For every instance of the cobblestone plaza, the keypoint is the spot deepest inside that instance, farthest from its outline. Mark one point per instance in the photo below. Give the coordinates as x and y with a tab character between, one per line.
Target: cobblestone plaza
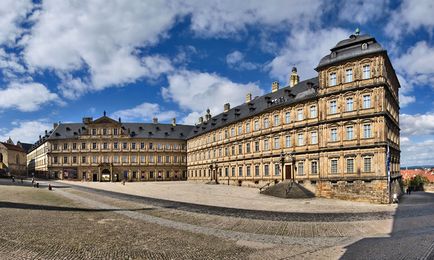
137	221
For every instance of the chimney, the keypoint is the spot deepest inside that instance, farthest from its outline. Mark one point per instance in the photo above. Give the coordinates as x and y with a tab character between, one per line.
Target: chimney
208	115
294	78
46	132
87	120
119	119
248	97
174	121
226	107
200	120
55	125
155	120
275	86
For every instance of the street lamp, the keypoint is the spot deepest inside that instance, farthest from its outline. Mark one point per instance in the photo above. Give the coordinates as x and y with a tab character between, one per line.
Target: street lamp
282	162
216	172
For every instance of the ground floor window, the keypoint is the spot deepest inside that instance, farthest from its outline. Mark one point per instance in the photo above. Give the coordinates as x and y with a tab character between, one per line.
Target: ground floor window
151	175
367	164
334	166
350	165
276	169
257	170
300	168
314	167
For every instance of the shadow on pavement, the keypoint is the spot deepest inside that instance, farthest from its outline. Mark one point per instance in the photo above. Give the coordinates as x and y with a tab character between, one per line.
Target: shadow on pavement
14	205
410	238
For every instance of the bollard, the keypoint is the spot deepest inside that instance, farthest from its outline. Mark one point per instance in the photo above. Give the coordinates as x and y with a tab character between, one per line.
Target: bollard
37	185
49	187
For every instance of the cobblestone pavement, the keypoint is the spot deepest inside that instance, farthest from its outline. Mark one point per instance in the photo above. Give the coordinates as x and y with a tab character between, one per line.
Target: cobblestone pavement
80	223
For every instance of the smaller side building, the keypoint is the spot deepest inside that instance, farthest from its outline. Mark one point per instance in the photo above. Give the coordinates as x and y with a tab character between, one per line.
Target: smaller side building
12	159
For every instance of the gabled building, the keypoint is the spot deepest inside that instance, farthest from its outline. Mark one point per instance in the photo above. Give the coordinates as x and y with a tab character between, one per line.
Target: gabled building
12	159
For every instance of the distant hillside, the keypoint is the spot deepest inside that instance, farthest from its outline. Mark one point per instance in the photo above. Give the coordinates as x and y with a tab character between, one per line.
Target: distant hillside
417	167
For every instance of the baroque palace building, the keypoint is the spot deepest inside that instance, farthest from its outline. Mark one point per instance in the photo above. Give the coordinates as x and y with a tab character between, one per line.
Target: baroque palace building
336	134
108	150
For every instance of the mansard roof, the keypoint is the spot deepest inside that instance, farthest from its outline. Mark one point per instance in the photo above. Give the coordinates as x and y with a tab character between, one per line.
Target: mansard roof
283	97
351	48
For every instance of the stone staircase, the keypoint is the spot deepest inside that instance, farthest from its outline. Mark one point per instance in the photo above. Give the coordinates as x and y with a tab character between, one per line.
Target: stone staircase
288	190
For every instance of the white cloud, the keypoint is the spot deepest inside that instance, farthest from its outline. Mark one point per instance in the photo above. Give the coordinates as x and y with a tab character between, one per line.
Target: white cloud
418	124
196	91
25	131
404	93
100	37
362	11
236	61
416	153
26	97
145	111
304	50
12	13
411	16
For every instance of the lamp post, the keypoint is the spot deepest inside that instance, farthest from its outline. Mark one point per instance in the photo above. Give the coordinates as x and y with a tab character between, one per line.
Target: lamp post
282	162
216	172
210	171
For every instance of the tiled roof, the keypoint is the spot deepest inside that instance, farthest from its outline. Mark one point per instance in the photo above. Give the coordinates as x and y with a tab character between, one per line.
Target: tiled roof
13	147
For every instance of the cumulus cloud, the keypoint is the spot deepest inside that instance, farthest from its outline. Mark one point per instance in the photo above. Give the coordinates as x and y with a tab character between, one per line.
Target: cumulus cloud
12	14
416	153
195	92
411	16
145	111
304	50
418	124
236	60
26	97
362	11
25	131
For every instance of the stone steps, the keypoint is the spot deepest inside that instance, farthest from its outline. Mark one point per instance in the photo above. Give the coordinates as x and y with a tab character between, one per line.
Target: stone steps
288	190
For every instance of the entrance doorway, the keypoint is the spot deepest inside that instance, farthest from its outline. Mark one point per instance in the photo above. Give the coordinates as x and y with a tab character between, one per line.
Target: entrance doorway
95	177
105	175
287	172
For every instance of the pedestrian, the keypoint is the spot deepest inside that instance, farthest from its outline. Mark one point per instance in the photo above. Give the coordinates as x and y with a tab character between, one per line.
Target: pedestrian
22	180
123	182
33	180
13	179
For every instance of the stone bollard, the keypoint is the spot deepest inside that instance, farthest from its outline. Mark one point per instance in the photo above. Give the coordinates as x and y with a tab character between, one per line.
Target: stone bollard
49	187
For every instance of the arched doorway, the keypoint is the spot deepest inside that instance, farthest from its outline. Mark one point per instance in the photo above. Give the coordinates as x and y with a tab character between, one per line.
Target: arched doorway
105	175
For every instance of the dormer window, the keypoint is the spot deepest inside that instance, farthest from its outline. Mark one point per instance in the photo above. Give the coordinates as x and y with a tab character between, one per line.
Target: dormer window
332	80
364	46
333	55
349	75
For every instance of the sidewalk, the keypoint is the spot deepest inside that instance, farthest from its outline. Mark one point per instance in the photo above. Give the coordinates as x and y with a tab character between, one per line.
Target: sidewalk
232	197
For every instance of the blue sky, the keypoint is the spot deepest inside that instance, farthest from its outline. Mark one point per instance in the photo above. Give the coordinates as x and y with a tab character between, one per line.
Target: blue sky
63	60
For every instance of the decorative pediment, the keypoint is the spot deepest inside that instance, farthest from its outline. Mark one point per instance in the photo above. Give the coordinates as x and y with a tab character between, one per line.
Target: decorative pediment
105	120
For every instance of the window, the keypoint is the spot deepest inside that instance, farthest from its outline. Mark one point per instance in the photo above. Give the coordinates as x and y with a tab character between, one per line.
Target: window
276	143
233	172
276	120
74	146
247	147
256	170
350	165
124	145
367	131
104	131
240	171
313	112
115	145
124	159
300	168
226	172
266	145
240	149
94	159
288	141
159	159
142	145
233	150
151	146
314	167
159	146
55	147
106	159
240	129
334	166
83	146
93	131
133	146
266	170
256	125
288	117
94	146
226	151
300	114
350	104
333	107
348	75
266	123
151	158
313	138
366	72
350	133
332	79
232	131
55	159
257	146
333	134
105	146
226	134
248	171
300	140
366	101
367	164
248	127
115	131
116	159
65	159
65	146
276	169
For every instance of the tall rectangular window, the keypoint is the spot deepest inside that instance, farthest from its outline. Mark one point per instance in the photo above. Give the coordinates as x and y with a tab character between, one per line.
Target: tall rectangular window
248	127
276	143
83	146
300	140
332	79
233	172
299	114
313	138
266	170
288	141
333	134
115	145
287	117
232	131
367	164
348	75
115	131
240	171
313	111
240	149
240	130
350	104
266	123
300	168
350	165
248	171
333	107
276	169
256	170
65	159
257	146
276	120
133	146
314	167
256	125
266	145
366	101
350	133
366	72
74	146
367	131
83	159
334	166
247	147
226	172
